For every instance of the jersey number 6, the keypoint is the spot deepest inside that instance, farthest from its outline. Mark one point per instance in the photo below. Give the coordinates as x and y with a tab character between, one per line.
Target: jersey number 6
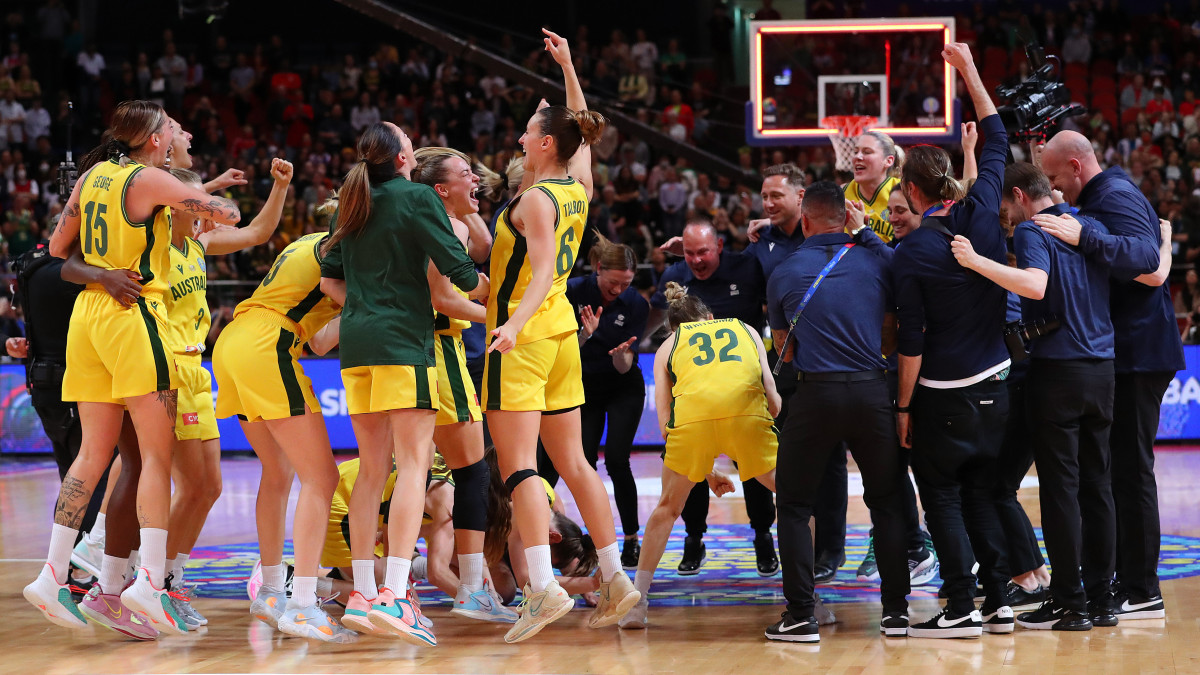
702	342
566	254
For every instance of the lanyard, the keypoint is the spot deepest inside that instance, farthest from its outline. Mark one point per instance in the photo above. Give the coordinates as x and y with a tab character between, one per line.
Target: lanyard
804	302
937	207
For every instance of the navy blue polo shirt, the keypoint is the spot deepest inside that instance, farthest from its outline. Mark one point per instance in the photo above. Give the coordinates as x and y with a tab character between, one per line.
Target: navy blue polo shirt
734	291
841	328
774	246
949	315
1143	317
1076	293
623	318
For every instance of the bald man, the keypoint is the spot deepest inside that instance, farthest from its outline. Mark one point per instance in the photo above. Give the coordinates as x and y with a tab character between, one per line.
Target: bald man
1148	348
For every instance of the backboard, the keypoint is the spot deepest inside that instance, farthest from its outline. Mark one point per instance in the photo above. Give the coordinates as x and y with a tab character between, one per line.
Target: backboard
804	71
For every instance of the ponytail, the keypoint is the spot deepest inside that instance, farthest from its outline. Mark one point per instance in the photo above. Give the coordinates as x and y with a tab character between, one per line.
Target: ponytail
377	151
495	186
928	168
591	125
683	308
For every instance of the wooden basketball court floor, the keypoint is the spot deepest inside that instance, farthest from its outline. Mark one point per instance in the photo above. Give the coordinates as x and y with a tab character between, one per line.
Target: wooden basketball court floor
692	639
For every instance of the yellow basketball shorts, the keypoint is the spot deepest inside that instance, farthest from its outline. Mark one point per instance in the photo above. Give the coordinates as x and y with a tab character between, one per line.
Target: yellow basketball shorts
196	419
372	389
457	400
115	353
752	442
543	375
259	376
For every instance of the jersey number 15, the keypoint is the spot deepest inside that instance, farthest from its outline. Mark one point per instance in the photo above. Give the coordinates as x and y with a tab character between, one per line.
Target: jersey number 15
95	228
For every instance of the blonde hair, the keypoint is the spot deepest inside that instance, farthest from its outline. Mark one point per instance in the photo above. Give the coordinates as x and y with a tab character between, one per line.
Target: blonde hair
187	176
683	308
496	185
607	255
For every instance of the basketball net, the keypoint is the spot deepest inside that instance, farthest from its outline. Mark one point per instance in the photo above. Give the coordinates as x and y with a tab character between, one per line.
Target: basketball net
849	128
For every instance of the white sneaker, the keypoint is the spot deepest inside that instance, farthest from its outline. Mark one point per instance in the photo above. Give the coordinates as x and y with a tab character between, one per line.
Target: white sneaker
483	605
154	603
54	600
89	554
637	617
268	606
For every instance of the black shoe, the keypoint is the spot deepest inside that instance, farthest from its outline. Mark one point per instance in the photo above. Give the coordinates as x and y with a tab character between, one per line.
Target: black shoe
949	625
997	616
894	625
1130	608
1052	615
1022	600
826	567
1102	611
764	553
630	552
791	630
694	554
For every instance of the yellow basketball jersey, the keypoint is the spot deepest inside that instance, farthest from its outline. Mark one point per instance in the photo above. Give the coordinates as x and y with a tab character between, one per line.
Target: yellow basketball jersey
293	287
715	373
511	273
187	302
110	240
876	205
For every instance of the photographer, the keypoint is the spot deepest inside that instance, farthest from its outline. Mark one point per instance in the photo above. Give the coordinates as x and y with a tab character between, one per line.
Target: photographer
1070	400
950	338
1148	348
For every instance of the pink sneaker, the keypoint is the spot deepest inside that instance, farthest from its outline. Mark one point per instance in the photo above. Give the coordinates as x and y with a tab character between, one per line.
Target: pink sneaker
107	610
255	581
400	618
355	618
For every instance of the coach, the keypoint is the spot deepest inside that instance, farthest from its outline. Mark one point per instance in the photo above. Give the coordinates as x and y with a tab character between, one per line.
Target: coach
836	292
1148	348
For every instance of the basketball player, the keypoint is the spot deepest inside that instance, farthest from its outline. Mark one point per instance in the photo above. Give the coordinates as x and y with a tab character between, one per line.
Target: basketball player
533	372
387	230
877	161
458	430
713	397
256	362
116	357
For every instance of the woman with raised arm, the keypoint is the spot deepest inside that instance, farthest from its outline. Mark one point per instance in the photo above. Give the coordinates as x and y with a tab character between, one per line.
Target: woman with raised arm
533	381
116	356
388	229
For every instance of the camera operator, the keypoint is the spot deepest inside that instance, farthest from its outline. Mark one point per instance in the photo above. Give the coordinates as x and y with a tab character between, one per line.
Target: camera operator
1148	347
950	337
1070	400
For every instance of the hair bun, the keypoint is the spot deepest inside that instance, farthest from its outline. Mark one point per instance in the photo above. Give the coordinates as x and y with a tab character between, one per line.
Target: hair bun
674	292
591	125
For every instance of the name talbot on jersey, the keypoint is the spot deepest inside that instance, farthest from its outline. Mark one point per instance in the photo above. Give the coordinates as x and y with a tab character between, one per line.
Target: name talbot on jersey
572	208
188	285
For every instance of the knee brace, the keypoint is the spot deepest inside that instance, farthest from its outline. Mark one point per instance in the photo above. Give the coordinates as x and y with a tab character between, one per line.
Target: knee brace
470	496
517	476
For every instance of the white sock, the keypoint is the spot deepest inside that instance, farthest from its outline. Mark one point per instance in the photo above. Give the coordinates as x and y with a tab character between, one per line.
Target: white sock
396	578
324	587
420	568
304	592
642	582
154	554
541	572
97	533
275	576
62	542
112	574
470	571
178	568
610	561
364	578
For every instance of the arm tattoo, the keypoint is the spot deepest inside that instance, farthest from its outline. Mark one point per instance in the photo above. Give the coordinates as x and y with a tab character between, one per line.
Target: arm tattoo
217	206
170	401
72	501
72	210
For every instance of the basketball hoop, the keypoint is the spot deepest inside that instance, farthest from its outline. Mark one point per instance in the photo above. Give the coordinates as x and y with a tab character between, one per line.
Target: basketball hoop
849	128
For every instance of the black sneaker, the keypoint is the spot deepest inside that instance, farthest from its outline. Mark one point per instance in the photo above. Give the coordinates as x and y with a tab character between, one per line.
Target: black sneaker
694	554
1052	615
1022	600
868	571
894	625
1129	608
949	625
826	567
790	630
997	617
922	566
630	552
764	554
1102	611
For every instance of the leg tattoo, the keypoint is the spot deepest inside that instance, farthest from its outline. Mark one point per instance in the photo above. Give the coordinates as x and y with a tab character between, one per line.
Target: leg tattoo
170	401
72	502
